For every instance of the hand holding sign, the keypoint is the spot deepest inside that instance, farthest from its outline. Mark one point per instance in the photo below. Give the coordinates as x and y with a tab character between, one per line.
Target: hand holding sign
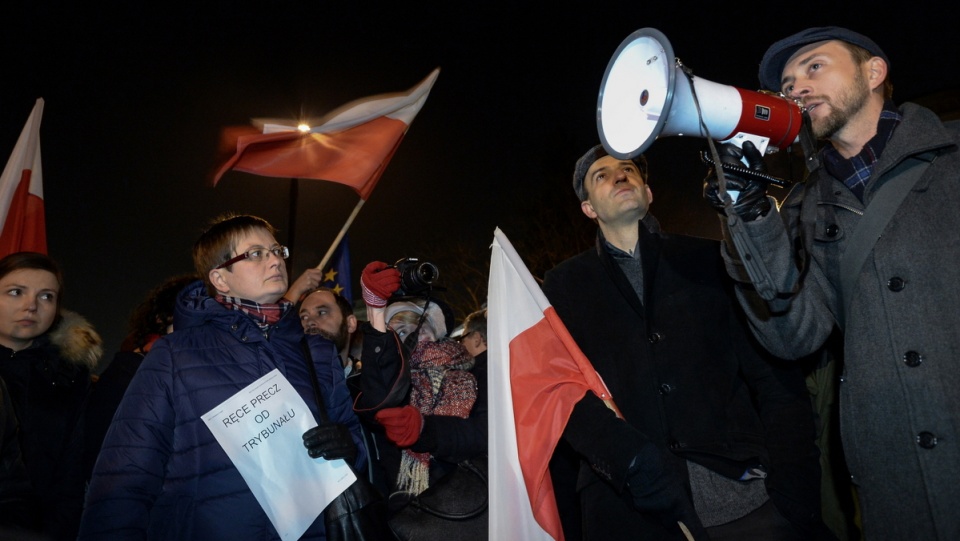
260	429
330	441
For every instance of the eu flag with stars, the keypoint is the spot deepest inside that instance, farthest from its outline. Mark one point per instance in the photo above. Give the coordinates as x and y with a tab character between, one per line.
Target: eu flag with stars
336	275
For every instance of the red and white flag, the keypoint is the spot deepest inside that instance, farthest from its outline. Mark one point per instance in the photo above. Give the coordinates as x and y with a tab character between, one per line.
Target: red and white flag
21	193
351	145
537	374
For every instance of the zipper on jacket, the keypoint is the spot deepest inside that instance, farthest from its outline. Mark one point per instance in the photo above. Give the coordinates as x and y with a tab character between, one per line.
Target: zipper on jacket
858	212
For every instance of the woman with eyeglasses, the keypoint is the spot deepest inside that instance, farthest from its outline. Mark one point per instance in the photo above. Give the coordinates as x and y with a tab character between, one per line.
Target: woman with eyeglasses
162	473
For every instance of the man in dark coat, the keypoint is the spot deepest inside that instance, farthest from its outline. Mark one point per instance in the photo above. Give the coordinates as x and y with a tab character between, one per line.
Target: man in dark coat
715	434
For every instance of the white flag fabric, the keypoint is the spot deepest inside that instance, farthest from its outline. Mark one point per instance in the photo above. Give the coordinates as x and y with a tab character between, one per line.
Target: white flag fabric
351	145
21	193
536	375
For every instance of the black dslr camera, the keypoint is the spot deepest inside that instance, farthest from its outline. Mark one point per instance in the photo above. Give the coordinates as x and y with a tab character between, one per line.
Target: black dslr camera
416	277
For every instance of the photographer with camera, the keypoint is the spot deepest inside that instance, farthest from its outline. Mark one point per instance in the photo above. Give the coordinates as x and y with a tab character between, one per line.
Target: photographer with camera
419	391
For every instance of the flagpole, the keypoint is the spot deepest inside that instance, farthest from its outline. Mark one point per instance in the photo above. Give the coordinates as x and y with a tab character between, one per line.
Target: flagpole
343	231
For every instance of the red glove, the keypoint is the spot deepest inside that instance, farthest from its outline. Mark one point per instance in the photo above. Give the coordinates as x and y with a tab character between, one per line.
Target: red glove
402	424
378	282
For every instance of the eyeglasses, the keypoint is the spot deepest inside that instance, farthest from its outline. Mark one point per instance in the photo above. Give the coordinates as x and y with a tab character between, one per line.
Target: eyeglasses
257	254
464	336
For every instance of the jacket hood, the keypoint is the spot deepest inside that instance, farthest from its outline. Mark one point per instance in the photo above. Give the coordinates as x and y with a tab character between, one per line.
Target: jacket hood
189	310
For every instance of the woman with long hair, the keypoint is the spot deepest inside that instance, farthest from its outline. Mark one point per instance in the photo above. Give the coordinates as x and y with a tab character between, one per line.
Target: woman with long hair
46	357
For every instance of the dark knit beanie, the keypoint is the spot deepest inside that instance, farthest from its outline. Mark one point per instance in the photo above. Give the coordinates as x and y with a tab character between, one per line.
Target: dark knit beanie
592	155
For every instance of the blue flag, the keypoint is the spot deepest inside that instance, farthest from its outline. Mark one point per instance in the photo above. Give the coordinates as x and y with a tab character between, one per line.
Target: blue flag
336	275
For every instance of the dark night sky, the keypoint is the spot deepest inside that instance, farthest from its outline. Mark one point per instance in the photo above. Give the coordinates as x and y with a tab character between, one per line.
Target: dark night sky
136	96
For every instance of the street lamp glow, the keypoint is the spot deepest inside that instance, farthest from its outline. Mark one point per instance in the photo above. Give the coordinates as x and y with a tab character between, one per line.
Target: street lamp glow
303	128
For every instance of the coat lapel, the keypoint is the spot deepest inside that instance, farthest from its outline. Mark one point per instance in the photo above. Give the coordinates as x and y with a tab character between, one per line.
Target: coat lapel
649	257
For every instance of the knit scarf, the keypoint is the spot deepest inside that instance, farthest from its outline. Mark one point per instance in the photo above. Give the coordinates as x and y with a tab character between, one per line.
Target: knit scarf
856	171
264	315
440	384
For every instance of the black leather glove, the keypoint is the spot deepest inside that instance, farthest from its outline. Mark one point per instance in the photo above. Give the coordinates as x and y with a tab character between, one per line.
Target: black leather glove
752	201
658	488
330	441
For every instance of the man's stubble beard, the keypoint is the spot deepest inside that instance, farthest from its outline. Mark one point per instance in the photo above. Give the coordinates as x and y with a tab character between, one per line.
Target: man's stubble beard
847	105
339	338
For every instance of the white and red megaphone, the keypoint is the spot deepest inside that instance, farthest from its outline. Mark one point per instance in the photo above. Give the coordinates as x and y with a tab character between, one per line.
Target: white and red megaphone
646	94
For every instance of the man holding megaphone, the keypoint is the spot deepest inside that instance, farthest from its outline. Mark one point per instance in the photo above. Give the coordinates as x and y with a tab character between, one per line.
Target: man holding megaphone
867	245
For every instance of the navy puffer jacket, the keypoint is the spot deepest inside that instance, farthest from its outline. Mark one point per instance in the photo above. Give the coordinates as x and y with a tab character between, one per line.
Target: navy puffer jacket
161	474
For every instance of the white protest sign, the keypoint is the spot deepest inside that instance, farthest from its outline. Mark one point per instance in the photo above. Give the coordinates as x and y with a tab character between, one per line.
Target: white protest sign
261	429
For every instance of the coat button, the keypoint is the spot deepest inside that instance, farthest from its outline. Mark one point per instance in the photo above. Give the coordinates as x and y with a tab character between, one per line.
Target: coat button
832	230
656	337
912	359
896	284
234	327
926	440
665	388
674	444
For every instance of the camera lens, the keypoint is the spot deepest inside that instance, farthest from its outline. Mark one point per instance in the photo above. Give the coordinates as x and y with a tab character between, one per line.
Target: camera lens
427	272
415	276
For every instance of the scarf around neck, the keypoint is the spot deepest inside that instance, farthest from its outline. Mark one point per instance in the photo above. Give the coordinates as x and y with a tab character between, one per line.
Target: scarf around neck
264	315
440	384
856	171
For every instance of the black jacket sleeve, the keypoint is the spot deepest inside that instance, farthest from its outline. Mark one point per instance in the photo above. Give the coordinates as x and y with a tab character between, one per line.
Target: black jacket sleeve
385	377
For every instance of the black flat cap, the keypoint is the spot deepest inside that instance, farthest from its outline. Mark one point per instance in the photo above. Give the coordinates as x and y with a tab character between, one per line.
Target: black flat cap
771	67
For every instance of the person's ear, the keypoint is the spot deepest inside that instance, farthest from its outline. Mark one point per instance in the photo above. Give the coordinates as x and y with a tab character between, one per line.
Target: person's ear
587	209
876	72
219	282
351	323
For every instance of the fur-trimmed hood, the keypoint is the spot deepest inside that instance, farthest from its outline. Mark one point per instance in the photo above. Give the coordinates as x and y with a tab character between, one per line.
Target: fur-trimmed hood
77	340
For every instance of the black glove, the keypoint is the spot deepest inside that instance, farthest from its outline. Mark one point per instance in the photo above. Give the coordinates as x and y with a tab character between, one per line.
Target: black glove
330	441
660	489
752	201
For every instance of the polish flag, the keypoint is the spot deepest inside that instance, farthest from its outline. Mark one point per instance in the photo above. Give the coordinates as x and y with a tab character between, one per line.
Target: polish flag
21	193
351	145
536	375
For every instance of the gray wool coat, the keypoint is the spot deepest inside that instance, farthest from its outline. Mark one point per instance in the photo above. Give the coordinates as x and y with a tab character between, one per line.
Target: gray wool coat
900	389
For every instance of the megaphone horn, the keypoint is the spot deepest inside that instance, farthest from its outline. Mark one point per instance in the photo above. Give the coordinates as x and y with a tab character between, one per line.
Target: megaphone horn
646	93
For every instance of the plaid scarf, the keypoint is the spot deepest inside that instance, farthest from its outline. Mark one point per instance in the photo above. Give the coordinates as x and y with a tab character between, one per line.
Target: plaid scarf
440	384
264	315
856	171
